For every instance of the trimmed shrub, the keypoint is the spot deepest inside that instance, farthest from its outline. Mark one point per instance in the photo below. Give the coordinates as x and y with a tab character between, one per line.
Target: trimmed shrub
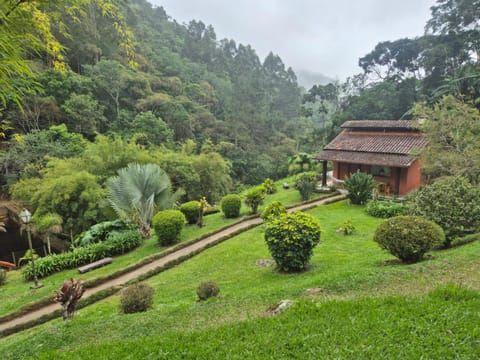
117	243
254	198
305	183
269	186
3	277
409	237
291	238
136	298
168	225
451	202
360	187
207	289
385	209
191	211
273	210
231	205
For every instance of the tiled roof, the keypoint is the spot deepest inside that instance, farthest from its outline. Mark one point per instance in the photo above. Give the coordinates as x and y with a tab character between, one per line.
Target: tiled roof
377	143
366	158
382	124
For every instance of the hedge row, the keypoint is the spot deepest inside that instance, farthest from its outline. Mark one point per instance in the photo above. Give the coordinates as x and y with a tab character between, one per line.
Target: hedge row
116	244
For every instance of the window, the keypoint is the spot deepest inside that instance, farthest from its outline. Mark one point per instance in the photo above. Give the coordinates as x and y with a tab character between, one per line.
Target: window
382	171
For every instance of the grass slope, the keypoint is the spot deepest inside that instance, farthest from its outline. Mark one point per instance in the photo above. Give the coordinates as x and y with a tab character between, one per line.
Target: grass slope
16	294
343	321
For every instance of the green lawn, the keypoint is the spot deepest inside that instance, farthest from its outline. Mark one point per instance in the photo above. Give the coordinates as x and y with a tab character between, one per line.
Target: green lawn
366	306
17	294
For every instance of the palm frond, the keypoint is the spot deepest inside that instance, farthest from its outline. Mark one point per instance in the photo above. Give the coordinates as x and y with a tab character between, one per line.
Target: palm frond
138	191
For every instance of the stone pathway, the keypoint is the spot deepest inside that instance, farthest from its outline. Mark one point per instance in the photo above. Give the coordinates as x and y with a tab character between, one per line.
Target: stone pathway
198	246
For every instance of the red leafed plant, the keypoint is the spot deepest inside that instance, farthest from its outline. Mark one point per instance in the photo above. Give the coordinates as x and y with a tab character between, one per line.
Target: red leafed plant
69	294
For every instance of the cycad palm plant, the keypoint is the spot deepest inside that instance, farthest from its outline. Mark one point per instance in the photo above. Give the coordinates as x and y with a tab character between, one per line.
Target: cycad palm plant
138	191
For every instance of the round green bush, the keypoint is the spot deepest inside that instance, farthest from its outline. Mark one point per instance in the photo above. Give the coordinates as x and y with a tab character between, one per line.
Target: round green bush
168	225
409	237
231	205
207	289
273	210
451	202
291	238
136	298
191	211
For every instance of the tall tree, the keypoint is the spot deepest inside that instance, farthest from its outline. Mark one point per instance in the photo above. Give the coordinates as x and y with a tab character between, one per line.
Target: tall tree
453	131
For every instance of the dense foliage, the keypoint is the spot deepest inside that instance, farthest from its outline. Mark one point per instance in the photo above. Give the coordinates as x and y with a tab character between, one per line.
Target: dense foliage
168	225
409	237
178	83
115	244
231	205
360	186
191	211
385	209
100	232
291	238
136	298
452	128
451	202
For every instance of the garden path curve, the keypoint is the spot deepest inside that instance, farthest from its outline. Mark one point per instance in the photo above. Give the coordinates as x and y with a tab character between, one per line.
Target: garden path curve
174	256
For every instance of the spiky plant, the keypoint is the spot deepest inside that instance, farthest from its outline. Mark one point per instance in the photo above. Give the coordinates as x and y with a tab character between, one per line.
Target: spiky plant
138	192
360	187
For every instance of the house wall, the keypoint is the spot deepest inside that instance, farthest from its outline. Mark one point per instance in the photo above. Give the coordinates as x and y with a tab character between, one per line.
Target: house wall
410	178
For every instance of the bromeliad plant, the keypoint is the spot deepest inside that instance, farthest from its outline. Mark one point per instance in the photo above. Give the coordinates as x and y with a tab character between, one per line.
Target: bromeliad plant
360	187
68	296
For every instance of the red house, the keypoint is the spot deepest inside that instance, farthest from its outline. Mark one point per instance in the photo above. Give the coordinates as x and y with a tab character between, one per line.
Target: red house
382	148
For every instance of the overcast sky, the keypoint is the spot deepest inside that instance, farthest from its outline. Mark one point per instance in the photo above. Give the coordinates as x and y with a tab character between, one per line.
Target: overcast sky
321	36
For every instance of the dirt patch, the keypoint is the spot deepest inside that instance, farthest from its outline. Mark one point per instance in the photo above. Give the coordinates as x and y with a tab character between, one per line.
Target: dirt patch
265	263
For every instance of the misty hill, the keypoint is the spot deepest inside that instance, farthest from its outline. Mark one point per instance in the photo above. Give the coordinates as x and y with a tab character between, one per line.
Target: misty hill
308	78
